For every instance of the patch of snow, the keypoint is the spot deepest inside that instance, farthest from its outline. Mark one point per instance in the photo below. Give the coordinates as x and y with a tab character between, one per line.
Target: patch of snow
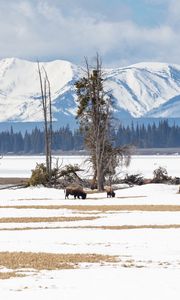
149	259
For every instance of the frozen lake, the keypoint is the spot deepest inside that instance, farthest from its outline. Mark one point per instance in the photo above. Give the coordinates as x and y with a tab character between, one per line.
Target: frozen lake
21	166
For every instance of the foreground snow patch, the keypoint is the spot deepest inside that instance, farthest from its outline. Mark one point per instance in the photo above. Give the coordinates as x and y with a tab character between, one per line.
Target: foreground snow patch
149	259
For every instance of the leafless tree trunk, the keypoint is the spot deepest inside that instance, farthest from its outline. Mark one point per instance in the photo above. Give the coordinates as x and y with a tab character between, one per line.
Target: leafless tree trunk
47	114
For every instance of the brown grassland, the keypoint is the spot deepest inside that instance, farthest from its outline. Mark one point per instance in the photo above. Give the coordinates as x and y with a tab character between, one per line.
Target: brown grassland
44	219
7	275
48	261
101	208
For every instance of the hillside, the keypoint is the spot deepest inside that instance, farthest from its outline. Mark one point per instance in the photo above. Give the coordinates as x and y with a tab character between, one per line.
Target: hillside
140	91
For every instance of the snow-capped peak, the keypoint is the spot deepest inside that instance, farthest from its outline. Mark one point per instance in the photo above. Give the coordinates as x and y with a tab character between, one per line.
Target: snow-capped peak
142	89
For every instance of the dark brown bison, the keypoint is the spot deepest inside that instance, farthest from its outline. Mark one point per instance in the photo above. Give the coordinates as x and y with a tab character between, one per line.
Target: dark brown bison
110	192
75	191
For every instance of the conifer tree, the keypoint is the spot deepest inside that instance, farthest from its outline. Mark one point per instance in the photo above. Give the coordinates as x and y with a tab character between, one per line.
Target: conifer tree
95	117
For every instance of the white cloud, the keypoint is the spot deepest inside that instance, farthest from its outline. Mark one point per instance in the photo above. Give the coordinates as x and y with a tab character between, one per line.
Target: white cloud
173	12
44	29
25	9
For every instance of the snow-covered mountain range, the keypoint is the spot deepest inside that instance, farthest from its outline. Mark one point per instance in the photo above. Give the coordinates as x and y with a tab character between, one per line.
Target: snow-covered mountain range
140	90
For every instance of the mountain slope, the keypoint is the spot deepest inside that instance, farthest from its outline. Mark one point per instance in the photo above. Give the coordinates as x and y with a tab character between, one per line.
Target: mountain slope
140	90
20	98
143	87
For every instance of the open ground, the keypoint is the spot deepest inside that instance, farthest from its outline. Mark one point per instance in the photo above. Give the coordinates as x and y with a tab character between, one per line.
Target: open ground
125	247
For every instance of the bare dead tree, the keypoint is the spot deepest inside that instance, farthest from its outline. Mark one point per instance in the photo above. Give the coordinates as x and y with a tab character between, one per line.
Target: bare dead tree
47	114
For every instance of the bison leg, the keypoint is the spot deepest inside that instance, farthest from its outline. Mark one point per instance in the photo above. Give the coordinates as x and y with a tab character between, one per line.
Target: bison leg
67	195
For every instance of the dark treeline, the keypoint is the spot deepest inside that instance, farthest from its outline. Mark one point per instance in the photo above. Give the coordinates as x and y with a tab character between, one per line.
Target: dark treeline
152	136
33	143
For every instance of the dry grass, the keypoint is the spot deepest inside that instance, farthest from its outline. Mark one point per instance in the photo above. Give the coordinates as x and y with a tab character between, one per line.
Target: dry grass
101	208
34	228
107	208
13	180
7	275
123	227
49	261
44	219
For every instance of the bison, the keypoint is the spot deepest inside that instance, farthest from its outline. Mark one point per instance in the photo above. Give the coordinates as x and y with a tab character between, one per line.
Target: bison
75	191
110	192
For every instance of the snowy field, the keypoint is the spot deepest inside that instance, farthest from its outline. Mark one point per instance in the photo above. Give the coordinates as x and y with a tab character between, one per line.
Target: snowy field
139	230
21	166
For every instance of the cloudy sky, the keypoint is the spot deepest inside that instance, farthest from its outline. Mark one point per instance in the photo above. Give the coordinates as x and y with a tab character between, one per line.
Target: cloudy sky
122	31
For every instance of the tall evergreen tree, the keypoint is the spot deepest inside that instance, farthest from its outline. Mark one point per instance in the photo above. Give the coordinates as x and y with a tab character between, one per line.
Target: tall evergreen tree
94	114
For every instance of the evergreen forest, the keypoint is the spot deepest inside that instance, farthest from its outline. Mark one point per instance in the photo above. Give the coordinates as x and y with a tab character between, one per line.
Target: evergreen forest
64	139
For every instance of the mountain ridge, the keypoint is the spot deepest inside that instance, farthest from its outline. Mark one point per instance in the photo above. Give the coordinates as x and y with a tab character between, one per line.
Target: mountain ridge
147	89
